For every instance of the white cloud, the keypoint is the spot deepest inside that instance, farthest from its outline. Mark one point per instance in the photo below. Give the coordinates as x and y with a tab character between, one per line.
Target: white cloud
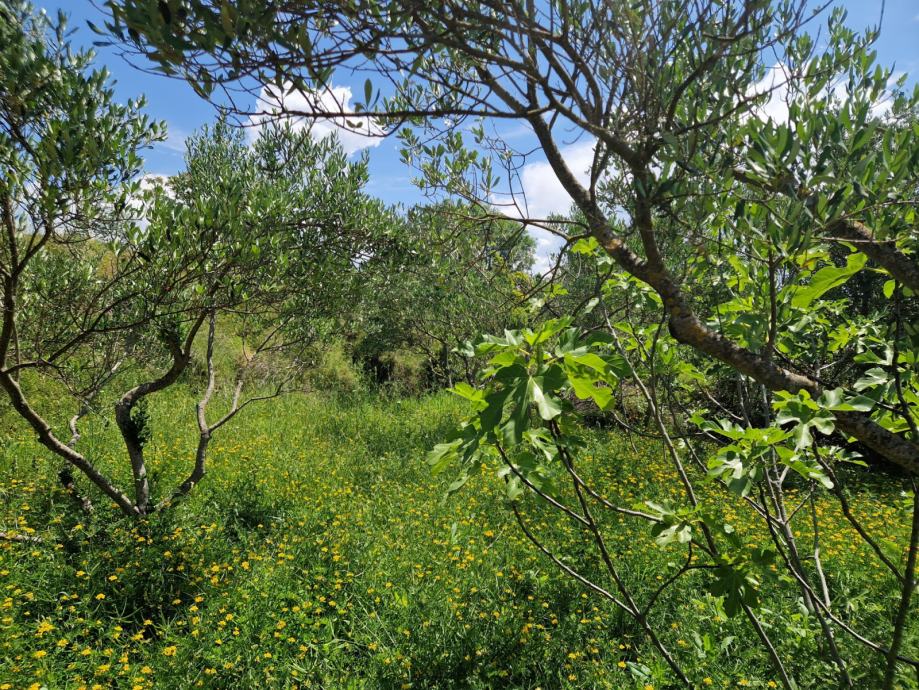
139	202
775	84
881	108
539	194
302	105
547	247
175	140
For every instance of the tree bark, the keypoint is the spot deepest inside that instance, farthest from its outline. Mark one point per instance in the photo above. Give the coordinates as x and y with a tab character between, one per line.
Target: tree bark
47	438
181	356
684	325
882	253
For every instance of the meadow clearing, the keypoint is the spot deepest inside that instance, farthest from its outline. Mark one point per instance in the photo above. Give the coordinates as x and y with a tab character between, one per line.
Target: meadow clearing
490	344
320	552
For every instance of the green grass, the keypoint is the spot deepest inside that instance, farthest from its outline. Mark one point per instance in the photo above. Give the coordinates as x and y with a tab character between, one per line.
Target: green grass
319	552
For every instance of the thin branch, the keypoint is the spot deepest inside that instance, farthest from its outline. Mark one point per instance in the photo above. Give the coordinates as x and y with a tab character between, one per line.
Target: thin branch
906	593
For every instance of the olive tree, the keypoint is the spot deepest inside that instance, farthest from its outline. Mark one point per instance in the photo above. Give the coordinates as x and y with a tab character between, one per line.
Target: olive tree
69	168
109	284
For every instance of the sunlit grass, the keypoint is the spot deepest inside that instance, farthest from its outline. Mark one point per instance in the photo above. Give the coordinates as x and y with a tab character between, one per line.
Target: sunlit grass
319	552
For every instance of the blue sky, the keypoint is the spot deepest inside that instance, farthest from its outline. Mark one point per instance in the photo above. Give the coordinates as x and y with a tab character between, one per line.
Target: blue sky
184	112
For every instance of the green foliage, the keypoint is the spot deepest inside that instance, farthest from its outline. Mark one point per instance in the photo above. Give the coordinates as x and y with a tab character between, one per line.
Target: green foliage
332	560
108	285
779	247
449	271
523	422
334	370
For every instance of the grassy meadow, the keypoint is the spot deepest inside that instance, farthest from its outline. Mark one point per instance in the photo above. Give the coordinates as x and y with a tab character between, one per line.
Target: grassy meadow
319	552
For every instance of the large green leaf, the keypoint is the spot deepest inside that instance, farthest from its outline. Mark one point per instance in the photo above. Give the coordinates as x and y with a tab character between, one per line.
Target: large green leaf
828	278
517	423
546	403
